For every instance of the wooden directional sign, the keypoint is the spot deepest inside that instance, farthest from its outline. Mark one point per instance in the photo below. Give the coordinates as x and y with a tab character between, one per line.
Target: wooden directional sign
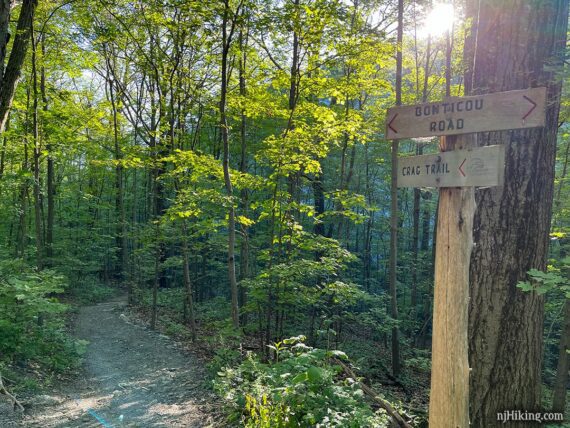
462	115
482	166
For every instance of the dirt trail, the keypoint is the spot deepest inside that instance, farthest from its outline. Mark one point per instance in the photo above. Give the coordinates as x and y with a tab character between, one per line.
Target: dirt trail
133	377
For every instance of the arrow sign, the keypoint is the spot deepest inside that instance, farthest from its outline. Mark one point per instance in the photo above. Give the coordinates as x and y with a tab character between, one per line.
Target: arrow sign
461	168
482	166
390	124
463	115
532	109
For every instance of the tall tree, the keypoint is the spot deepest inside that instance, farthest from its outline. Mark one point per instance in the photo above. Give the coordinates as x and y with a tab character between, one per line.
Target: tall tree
394	205
120	232
37	155
512	45
244	194
10	73
228	29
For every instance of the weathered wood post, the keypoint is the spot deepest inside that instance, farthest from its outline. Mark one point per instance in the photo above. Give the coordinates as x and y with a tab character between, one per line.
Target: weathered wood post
449	394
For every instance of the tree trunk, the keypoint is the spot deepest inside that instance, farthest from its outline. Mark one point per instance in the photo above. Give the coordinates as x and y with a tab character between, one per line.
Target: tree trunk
11	73
417	199
189	301
37	154
319	204
3	150
426	217
394	261
156	281
367	232
415	244
50	175
394	205
5	6
512	47
22	232
226	42
120	232
244	246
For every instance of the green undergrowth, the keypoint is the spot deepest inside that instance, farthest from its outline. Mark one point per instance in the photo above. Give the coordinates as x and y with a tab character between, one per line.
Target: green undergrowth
302	386
34	344
299	386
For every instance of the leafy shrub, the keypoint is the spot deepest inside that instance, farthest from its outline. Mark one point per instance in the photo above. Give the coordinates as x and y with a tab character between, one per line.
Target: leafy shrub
31	319
302	387
543	282
223	357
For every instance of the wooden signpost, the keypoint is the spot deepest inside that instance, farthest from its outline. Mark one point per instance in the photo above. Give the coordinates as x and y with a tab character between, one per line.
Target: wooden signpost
463	115
457	170
483	166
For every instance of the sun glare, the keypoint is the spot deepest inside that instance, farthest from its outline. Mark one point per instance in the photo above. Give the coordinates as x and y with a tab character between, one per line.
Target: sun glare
439	20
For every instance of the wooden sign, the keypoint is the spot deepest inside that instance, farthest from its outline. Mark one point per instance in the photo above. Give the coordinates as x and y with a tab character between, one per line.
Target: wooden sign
482	166
462	115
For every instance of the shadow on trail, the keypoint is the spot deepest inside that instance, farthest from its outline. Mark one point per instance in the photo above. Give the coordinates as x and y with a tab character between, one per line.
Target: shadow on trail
133	377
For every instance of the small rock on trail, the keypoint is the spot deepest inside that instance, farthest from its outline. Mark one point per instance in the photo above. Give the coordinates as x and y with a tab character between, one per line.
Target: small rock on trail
133	377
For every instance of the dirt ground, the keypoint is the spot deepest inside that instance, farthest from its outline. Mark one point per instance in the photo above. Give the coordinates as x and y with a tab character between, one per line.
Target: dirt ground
132	377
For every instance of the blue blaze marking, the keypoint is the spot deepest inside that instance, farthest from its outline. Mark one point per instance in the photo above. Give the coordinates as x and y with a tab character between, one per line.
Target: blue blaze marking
99	418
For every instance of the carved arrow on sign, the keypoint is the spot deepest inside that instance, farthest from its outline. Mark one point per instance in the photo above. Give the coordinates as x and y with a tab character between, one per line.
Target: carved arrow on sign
390	123
532	109
461	167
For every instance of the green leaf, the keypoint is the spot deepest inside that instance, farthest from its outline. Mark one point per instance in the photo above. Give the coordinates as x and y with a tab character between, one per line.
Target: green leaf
315	374
525	286
300	378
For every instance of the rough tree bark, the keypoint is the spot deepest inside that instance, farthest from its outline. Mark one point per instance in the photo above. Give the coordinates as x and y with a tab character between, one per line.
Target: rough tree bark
11	73
4	31
512	45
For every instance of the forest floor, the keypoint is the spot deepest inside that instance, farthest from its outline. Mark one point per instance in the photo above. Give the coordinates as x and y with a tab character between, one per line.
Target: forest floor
131	377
